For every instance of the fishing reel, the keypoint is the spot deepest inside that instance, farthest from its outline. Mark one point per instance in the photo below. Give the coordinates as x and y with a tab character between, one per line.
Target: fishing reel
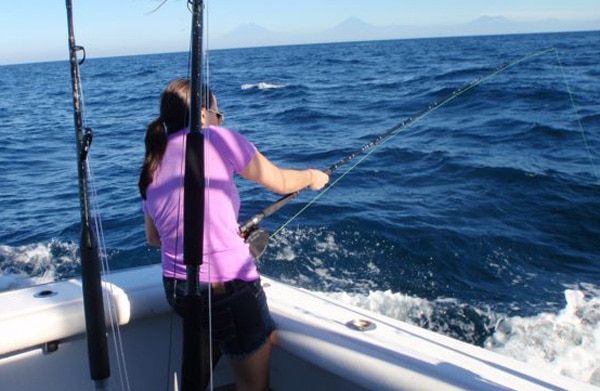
257	238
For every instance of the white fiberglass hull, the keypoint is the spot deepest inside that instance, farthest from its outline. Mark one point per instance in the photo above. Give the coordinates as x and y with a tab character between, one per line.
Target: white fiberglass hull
319	346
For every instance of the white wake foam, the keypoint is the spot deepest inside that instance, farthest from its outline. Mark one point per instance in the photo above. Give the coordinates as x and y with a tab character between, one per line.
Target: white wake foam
35	264
567	342
262	86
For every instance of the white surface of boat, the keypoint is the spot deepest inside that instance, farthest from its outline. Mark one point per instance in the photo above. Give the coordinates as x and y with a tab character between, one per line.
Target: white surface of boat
321	344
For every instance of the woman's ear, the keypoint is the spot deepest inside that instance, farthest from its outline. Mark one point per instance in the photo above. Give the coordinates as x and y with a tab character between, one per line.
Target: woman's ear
204	117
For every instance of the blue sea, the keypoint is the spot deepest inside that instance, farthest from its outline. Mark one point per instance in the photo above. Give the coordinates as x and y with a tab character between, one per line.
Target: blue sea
479	219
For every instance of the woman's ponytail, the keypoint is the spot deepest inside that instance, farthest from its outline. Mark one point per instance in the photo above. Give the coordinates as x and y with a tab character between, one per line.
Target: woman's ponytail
156	145
174	116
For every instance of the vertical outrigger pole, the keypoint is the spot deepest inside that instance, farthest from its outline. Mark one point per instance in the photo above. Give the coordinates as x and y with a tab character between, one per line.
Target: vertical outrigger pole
193	216
90	264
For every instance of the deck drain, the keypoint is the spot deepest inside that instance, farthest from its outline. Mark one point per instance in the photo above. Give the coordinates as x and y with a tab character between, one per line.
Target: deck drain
45	293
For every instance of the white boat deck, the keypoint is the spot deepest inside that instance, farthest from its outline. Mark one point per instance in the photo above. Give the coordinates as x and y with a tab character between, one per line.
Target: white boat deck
321	344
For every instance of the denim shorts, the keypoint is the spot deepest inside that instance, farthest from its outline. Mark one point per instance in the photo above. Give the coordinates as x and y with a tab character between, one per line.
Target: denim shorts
240	318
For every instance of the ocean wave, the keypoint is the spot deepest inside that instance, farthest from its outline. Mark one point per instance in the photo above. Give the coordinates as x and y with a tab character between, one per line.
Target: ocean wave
37	263
591	119
445	316
301	113
565	342
328	62
262	86
326	259
465	74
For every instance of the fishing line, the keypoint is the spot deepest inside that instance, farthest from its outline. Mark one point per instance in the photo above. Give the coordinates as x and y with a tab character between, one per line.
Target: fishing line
203	59
207	103
207	160
578	118
320	194
177	239
157	7
374	144
92	247
107	287
179	220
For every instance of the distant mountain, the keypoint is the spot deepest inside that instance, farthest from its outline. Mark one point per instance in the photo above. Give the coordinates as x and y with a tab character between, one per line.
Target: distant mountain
490	20
355	29
247	35
353	26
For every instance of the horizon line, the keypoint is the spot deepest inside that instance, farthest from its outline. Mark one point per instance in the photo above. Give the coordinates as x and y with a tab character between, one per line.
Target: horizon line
324	42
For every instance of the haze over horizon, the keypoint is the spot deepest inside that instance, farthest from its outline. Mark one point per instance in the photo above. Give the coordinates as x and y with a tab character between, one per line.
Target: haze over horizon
37	31
356	29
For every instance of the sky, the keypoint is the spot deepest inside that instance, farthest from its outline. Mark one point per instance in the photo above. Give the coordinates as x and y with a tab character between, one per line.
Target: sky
36	30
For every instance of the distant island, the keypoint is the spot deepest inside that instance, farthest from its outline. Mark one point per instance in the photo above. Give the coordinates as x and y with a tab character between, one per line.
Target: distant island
355	29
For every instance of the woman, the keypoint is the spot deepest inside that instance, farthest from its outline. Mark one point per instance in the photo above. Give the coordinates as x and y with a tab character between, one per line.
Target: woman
242	324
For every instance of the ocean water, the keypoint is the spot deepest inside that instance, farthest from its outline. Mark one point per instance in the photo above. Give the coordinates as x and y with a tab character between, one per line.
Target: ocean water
480	220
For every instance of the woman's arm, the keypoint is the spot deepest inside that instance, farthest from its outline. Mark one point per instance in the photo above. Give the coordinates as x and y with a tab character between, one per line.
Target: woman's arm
282	181
152	235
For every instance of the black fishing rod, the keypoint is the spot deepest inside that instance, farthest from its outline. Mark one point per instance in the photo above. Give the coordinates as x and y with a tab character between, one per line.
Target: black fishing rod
193	216
251	225
258	238
90	260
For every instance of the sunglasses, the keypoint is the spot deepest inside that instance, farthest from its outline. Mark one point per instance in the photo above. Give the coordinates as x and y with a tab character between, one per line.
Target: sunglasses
220	115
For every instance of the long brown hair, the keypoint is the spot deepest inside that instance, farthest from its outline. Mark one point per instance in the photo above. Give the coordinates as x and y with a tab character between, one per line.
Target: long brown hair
174	116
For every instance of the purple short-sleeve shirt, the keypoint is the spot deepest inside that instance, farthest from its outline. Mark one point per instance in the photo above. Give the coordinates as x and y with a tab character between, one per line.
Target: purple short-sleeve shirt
226	256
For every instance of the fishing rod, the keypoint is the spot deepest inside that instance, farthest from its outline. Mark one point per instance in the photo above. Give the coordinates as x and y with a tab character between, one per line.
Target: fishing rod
93	302
258	238
193	216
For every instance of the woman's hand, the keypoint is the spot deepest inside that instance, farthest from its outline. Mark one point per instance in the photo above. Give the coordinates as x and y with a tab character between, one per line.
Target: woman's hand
318	179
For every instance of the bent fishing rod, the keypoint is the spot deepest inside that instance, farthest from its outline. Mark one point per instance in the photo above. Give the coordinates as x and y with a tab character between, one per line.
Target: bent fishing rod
93	302
258	238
